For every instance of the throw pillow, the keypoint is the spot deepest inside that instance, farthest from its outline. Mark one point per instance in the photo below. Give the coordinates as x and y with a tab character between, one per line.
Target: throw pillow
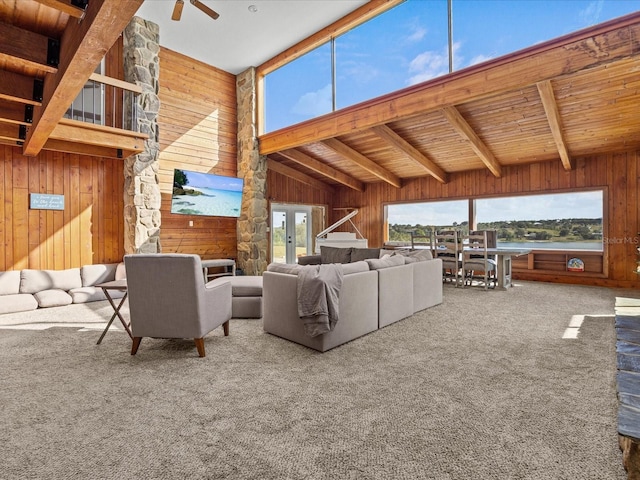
335	254
419	254
355	267
392	261
358	254
288	268
10	282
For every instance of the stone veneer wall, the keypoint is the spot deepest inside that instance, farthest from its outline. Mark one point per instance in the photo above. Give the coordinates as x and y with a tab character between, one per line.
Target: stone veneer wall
253	243
141	187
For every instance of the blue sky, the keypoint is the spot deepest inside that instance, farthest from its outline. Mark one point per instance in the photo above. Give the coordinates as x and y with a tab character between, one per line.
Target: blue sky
409	45
217	182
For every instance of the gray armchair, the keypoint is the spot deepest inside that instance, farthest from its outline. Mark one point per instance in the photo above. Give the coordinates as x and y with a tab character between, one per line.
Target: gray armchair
169	299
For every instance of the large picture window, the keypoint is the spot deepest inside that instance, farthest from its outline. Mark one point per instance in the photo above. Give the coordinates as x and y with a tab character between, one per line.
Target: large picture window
557	221
424	217
560	221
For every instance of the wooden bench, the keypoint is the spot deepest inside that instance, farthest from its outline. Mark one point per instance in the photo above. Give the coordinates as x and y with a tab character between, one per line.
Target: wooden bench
628	382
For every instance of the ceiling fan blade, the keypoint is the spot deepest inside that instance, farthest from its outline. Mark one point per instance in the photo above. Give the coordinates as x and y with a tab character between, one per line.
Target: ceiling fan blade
177	10
198	4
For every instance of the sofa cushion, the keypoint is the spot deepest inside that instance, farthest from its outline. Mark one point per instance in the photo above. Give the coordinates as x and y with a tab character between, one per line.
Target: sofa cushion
246	286
10	282
384	251
386	262
52	298
19	302
32	281
355	267
95	274
121	272
419	255
289	268
309	260
358	254
92	294
335	254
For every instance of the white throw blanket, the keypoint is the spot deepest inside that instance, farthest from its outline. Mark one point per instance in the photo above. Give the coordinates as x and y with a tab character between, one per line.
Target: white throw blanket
318	294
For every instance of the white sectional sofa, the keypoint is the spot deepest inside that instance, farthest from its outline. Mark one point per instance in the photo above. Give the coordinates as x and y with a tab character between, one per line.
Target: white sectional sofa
375	293
23	290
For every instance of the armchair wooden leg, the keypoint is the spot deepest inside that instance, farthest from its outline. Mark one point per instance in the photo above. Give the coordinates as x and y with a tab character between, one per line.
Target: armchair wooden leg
225	327
135	345
199	345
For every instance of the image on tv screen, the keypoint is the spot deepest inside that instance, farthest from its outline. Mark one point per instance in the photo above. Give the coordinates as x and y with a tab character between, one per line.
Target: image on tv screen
196	193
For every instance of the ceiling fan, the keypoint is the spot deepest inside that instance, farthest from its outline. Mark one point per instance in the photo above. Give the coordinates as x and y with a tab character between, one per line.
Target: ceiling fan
177	9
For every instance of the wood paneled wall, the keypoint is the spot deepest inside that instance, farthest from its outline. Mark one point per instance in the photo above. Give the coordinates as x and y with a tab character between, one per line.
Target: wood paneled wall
283	189
618	172
198	130
90	228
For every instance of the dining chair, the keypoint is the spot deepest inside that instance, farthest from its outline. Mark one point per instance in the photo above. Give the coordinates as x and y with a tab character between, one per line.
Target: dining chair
421	241
447	247
475	259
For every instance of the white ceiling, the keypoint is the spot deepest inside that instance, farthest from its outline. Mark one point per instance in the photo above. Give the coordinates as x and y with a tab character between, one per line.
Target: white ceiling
239	39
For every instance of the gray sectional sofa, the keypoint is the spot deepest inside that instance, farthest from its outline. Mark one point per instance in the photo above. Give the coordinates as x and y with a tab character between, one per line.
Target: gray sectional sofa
24	290
375	292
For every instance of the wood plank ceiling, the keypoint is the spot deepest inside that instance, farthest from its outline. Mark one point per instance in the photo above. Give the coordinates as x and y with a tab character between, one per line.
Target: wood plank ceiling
48	51
573	96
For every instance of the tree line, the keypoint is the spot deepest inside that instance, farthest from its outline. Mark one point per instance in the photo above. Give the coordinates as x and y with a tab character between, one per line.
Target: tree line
568	229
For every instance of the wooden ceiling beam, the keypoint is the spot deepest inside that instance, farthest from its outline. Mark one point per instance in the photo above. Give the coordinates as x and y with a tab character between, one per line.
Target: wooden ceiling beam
545	89
25	48
322	168
588	48
387	134
64	6
362	14
461	126
297	175
12	112
83	45
17	88
10	132
369	165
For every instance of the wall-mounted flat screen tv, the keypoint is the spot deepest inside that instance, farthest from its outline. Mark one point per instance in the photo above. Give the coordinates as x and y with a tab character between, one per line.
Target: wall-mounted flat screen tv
196	193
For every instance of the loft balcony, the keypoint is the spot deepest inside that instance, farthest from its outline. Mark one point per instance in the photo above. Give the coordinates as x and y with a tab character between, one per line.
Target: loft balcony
101	121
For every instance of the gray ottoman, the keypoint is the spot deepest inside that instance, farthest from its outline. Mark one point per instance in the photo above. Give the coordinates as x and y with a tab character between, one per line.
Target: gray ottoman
246	292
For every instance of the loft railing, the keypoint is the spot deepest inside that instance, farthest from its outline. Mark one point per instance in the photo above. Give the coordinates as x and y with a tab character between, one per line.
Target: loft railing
106	101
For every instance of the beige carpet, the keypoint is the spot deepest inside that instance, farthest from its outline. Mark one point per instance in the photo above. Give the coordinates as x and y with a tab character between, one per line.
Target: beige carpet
488	385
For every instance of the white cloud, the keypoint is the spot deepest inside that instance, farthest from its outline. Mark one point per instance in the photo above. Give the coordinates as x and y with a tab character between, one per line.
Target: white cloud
432	64
313	104
417	35
479	59
359	73
591	14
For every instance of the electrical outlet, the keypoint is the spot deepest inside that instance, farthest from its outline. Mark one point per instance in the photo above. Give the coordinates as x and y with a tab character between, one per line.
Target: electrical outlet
191	223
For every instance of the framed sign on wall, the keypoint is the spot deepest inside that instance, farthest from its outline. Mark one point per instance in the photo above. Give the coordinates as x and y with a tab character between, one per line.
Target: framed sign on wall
46	201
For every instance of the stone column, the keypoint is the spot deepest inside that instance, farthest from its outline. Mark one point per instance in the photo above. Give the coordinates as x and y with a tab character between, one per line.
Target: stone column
252	167
141	187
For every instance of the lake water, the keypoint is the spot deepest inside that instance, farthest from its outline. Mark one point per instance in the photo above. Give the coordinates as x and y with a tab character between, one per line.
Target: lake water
552	245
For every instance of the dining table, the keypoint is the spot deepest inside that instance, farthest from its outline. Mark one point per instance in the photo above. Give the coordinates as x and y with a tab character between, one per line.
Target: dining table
503	264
